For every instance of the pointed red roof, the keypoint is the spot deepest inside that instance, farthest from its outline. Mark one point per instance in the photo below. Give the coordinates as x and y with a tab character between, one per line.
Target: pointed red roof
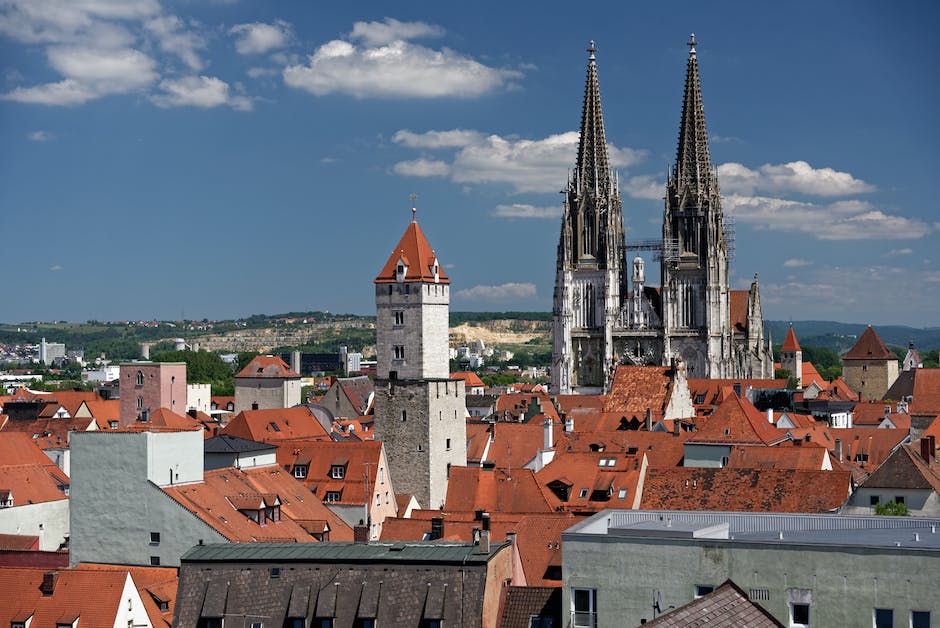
870	346
267	366
790	344
417	255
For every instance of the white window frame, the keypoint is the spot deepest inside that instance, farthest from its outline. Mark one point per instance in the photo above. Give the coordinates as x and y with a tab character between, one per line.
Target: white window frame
584	618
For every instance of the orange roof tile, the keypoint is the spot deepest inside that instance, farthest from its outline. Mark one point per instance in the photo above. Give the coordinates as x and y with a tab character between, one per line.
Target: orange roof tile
737	304
637	388
471	379
212	501
268	366
790	343
809	457
539	540
926	394
736	421
359	459
662	449
494	490
754	490
869	346
415	252
276	424
95	597
155	585
592	481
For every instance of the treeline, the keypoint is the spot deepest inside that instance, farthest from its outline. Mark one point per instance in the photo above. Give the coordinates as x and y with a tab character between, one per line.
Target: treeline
456	318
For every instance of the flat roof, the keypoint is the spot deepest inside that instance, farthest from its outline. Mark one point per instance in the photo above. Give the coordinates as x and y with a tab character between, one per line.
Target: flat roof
919	533
344	552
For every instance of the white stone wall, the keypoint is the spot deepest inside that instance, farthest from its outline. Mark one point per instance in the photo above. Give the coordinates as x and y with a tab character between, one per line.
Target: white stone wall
267	392
198	397
423	309
48	520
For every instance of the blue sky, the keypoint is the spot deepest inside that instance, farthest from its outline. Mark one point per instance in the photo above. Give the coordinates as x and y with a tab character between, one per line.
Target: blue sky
219	159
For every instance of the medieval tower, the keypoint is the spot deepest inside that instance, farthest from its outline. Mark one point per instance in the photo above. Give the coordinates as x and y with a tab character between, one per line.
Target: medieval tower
419	410
597	323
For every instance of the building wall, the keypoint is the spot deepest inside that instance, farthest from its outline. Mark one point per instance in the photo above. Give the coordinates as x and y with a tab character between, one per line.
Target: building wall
47	520
870	378
705	455
131	610
267	392
164	386
199	397
115	506
846	583
921	502
417	447
423	332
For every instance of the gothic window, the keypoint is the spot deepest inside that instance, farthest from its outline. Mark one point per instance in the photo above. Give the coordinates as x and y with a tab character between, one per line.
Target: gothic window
399	352
140	378
399	317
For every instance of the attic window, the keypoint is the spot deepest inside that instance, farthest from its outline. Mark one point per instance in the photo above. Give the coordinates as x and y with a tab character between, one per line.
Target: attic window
274	426
333	496
300	471
699	399
861	457
622	493
583	493
338	472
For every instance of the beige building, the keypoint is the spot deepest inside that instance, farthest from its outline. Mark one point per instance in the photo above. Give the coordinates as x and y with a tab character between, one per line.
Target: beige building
869	368
267	382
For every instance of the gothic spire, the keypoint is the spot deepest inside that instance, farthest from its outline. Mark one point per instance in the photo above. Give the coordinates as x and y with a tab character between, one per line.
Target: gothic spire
593	169
693	164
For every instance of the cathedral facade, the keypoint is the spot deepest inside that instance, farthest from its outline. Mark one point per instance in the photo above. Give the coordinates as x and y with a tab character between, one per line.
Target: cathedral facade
599	318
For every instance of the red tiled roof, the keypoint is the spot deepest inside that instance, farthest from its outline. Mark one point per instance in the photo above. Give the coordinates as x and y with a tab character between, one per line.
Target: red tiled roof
154	584
276	424
863	448
736	421
539	540
662	449
211	501
926	395
267	366
593	486
471	379
19	542
709	393
494	490
511	406
95	597
359	459
790	343
417	255
869	346
358	390
808	456
737	303
754	490
637	388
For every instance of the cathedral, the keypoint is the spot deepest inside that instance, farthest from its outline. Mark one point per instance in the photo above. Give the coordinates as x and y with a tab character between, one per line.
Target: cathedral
604	312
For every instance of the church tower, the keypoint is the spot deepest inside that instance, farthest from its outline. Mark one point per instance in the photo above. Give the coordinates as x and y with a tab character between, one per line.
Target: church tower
419	410
695	298
791	358
590	279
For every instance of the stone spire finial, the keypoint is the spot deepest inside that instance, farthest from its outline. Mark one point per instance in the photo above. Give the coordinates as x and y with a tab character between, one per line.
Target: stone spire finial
591	49
414	210
691	45
693	162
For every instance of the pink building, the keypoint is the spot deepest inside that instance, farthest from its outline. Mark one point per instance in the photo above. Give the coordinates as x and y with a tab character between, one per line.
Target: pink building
146	386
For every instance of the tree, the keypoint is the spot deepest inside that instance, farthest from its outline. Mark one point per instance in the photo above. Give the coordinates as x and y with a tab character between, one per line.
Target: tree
892	509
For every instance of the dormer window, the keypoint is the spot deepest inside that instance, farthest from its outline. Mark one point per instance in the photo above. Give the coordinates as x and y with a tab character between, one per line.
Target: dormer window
333	496
401	270
300	471
337	472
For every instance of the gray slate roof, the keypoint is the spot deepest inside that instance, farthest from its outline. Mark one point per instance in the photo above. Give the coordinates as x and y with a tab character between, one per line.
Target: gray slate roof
225	444
725	606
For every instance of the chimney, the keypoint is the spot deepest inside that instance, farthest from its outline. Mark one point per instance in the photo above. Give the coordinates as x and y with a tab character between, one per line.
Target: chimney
361	533
887	410
437	528
648	421
925	449
770	415
484	547
839	449
676	427
511	537
254	406
547	440
48	582
192	412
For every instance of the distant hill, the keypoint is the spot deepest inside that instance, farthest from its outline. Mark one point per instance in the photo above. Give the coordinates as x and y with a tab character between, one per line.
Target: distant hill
841	336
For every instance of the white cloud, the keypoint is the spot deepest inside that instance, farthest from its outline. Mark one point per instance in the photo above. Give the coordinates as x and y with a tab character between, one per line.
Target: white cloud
897	252
502	292
645	186
383	33
73	21
55	267
528	165
422	168
199	91
40	136
795	262
796	176
437	139
387	65
173	37
521	210
259	38
841	220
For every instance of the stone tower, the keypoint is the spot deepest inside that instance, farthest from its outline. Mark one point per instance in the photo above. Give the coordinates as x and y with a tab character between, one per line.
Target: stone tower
869	368
695	282
590	276
419	410
791	358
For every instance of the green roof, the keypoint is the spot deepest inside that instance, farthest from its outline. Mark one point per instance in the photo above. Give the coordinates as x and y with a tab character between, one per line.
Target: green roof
336	552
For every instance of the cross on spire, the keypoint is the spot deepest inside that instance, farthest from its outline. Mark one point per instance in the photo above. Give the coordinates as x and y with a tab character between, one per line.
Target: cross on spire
414	210
592	50
691	44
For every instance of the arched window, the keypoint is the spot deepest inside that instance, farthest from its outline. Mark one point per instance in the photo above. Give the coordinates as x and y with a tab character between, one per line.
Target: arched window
140	378
140	403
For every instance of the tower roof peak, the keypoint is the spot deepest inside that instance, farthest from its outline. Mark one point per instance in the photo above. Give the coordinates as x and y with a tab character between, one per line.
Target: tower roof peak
416	256
693	162
593	167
